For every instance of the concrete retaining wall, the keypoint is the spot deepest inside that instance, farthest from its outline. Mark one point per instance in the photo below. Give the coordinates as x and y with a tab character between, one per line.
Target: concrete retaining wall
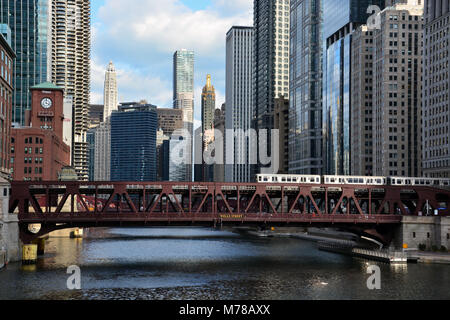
431	231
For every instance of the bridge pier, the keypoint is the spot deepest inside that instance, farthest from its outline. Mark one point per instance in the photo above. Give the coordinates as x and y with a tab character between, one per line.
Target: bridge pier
9	227
416	230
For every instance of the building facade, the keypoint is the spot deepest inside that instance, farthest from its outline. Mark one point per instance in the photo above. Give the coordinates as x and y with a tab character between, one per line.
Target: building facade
133	143
239	97
305	124
435	94
96	112
219	125
70	68
271	20
6	107
281	123
361	141
397	91
30	39
38	152
340	20
110	94
183	98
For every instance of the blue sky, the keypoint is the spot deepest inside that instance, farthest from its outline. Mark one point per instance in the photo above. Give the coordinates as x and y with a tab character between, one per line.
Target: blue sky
140	36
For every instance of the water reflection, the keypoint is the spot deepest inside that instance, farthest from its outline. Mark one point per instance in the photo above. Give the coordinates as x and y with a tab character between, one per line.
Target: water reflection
186	263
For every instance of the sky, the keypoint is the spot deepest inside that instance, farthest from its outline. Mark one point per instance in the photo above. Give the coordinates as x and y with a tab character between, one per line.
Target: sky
140	37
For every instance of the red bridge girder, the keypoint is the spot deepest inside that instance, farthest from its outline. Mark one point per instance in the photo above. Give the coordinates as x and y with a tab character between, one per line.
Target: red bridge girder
177	203
61	201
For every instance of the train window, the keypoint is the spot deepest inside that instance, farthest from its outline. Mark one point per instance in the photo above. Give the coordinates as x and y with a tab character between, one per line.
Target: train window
361	180
283	179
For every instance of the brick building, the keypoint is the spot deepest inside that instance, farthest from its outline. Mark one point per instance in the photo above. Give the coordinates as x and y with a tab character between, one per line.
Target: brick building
37	150
6	91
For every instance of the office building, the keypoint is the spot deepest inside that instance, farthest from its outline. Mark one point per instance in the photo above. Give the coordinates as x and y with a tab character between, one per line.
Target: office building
96	112
70	68
28	23
270	63
281	123
38	152
361	141
6	93
397	91
435	94
169	120
183	98
239	97
305	116
341	18
219	125
133	143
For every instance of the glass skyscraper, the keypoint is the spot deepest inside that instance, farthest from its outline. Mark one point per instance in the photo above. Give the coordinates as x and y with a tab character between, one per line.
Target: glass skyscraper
340	19
183	98
133	143
305	111
29	22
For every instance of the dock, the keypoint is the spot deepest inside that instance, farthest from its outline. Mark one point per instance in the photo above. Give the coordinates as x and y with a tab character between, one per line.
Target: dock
386	256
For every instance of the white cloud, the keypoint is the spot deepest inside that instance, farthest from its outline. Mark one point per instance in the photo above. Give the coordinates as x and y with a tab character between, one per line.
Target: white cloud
169	25
141	36
132	86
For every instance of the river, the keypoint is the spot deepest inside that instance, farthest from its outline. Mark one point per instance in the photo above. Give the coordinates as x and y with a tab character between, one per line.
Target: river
196	263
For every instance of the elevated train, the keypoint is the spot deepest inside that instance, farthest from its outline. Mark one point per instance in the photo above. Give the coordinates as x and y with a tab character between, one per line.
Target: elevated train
353	180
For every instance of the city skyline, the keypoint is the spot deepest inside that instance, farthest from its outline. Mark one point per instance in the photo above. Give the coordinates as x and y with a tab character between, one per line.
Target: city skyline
144	69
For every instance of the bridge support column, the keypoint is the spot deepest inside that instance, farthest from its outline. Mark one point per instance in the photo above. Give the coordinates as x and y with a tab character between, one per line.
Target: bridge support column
431	231
10	246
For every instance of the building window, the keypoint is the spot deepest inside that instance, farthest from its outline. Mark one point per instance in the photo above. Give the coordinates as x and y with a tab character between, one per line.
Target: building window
40	150
414	234
428	235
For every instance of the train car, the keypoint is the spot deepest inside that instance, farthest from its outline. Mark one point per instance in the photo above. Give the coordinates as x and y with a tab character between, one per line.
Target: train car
355	180
411	181
288	178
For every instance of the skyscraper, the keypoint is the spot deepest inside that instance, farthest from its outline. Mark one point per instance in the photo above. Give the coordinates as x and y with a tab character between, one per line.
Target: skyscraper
435	94
271	61
133	143
340	19
397	87
208	108
305	124
28	21
110	95
239	98
183	98
361	141
208	105
70	57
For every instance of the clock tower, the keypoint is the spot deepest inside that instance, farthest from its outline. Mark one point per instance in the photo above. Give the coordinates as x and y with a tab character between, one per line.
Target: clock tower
47	105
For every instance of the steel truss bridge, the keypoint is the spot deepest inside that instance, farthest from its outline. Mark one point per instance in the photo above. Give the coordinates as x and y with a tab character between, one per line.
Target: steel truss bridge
60	205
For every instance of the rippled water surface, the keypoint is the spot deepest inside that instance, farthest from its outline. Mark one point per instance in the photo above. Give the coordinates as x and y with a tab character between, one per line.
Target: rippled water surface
186	263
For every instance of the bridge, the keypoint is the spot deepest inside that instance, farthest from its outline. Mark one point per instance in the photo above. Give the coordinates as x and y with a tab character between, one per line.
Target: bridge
60	205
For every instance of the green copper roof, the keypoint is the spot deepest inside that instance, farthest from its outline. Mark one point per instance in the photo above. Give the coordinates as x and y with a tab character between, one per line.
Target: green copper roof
47	85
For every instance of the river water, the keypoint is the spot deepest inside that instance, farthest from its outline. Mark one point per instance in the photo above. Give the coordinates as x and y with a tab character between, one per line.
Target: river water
192	264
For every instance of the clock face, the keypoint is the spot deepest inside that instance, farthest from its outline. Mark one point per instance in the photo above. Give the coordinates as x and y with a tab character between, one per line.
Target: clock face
46	103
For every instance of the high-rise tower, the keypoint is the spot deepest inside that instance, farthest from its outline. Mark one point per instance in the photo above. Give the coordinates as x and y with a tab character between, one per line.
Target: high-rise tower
239	99
305	110
183	98
28	21
271	61
70	56
110	95
435	94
